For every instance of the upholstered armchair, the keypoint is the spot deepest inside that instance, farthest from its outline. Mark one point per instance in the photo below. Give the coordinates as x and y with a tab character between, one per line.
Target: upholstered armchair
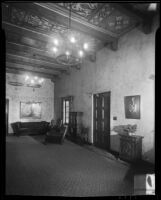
56	136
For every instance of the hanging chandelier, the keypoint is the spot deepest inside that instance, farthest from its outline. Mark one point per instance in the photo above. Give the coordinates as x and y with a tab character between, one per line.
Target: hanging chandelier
34	82
27	81
70	47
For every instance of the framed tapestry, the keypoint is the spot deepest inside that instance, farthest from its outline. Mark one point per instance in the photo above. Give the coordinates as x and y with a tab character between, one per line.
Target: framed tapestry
30	110
132	107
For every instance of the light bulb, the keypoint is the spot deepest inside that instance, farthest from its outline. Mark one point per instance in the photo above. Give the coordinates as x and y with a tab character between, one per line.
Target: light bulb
67	53
26	78
80	53
55	49
32	81
56	41
41	80
85	46
35	77
72	39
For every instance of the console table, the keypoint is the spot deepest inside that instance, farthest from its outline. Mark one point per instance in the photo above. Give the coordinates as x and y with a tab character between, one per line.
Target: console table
130	147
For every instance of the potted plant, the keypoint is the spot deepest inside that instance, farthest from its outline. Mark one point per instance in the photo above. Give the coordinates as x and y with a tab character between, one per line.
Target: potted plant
125	129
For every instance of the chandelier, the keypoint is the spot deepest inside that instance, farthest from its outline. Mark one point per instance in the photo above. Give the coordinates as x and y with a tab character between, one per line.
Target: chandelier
69	47
26	80
34	82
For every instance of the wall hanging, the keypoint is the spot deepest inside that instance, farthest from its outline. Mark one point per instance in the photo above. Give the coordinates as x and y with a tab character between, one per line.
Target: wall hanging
132	107
30	110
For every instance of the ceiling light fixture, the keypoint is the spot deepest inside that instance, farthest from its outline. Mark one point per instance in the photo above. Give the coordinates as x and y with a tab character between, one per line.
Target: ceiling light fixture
70	47
34	82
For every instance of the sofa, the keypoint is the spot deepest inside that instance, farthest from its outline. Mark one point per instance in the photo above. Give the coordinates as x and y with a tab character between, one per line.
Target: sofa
30	128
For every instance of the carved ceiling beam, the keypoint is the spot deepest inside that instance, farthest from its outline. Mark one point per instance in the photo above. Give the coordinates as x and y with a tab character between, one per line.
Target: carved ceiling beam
42	63
28	52
30	67
29	49
26	31
22	71
41	67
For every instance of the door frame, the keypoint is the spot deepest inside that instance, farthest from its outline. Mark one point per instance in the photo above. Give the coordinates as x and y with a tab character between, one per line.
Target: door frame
92	121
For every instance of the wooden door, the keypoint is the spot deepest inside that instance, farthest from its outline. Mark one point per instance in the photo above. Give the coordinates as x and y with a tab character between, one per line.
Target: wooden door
101	119
7	113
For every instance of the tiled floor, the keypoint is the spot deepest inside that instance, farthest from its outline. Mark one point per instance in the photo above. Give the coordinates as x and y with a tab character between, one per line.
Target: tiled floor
62	170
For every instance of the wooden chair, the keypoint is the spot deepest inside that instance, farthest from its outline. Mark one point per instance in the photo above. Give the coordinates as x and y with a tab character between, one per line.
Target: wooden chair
54	136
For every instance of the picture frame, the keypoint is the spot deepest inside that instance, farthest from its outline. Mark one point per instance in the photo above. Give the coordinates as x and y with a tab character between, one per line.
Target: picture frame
132	107
30	110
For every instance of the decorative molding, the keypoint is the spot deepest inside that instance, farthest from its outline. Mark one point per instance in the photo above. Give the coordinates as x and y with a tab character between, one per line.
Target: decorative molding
23	18
101	15
112	19
85	10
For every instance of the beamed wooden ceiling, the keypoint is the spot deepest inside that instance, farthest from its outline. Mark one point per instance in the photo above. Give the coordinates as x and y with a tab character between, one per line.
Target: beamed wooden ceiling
29	28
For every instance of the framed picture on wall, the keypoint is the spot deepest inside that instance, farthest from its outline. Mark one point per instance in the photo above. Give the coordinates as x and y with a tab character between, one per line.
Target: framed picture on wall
30	110
132	107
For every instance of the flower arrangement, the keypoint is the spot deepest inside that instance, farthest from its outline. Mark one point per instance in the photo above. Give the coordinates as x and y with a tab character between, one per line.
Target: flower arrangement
125	129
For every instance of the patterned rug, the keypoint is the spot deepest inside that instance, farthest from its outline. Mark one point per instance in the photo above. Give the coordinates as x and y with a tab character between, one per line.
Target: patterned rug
61	170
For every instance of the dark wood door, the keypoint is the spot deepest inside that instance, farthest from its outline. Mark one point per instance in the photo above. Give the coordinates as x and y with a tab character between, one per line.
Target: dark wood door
7	113
102	120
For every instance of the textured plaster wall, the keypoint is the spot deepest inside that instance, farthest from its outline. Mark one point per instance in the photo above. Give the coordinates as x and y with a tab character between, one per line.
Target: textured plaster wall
124	72
16	94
